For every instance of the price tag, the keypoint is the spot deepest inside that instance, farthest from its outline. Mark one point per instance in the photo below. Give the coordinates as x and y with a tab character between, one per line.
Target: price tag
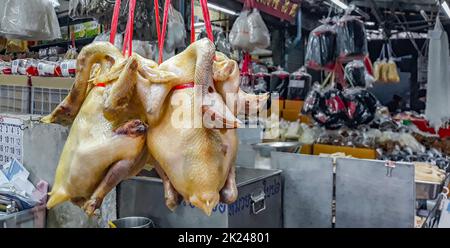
297	84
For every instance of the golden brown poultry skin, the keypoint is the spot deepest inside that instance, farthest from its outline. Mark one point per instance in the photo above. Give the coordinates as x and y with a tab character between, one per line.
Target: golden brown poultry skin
97	145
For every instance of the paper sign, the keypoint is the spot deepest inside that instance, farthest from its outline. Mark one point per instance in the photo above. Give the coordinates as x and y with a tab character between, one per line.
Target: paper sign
11	139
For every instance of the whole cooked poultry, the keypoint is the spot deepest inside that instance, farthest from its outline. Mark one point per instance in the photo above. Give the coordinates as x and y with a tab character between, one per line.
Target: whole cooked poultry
124	117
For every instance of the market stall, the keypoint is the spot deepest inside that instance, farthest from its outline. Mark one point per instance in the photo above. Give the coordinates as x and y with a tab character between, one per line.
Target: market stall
242	113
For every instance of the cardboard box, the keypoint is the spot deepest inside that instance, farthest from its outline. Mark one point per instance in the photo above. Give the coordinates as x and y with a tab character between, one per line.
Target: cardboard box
293	105
290	115
305	119
361	153
306	149
52	82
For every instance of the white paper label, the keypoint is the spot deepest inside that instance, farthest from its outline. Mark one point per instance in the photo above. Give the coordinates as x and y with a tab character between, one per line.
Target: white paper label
297	84
11	139
15	66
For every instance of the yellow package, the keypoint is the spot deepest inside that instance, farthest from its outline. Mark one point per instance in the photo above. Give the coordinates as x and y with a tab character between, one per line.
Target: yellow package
377	70
392	74
384	70
16	46
2	43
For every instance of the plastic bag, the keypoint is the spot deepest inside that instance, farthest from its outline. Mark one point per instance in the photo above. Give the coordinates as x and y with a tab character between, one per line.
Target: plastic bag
261	83
143	48
312	99
49	69
68	68
220	40
118	40
321	49
71	53
279	82
258	31
332	109
5	68
361	107
79	9
299	85
176	34
29	20
355	74
293	130
351	41
392	72
239	35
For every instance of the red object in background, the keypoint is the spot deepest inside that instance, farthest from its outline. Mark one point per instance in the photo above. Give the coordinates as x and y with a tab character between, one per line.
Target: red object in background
369	66
283	9
7	71
32	71
423	126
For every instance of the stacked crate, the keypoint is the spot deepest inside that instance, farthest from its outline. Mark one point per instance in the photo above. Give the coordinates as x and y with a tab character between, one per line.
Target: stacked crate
14	94
14	99
44	100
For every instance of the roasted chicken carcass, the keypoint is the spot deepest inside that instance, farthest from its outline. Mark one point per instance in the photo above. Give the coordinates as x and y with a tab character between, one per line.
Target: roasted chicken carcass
107	137
129	102
199	165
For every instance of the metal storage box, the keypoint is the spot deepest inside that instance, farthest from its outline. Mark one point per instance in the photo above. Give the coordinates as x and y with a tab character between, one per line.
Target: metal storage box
258	204
31	218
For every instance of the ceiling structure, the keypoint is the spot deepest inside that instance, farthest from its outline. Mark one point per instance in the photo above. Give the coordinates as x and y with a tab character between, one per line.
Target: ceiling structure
392	15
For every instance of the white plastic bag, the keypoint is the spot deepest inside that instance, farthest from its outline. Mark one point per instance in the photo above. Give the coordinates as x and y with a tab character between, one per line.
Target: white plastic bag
176	33
29	20
118	40
239	35
258	31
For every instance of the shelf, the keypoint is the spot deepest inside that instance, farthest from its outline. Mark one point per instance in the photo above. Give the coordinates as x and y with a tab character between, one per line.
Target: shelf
65	44
65	20
44	82
17	80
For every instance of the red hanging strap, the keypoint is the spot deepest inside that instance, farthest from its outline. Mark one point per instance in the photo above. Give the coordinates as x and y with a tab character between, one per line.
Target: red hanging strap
163	31
192	21
207	19
128	41
157	19
246	63
114	22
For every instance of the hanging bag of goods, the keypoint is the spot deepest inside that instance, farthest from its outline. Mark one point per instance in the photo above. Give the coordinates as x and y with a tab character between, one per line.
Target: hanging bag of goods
29	20
392	72
279	82
355	74
177	33
299	85
351	39
321	49
258	31
326	104
240	34
361	107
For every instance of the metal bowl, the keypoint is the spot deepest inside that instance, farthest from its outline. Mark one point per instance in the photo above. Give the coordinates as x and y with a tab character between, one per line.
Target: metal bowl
133	222
265	149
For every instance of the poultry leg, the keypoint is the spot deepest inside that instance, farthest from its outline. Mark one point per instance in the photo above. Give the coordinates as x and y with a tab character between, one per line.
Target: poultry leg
118	172
171	196
229	192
